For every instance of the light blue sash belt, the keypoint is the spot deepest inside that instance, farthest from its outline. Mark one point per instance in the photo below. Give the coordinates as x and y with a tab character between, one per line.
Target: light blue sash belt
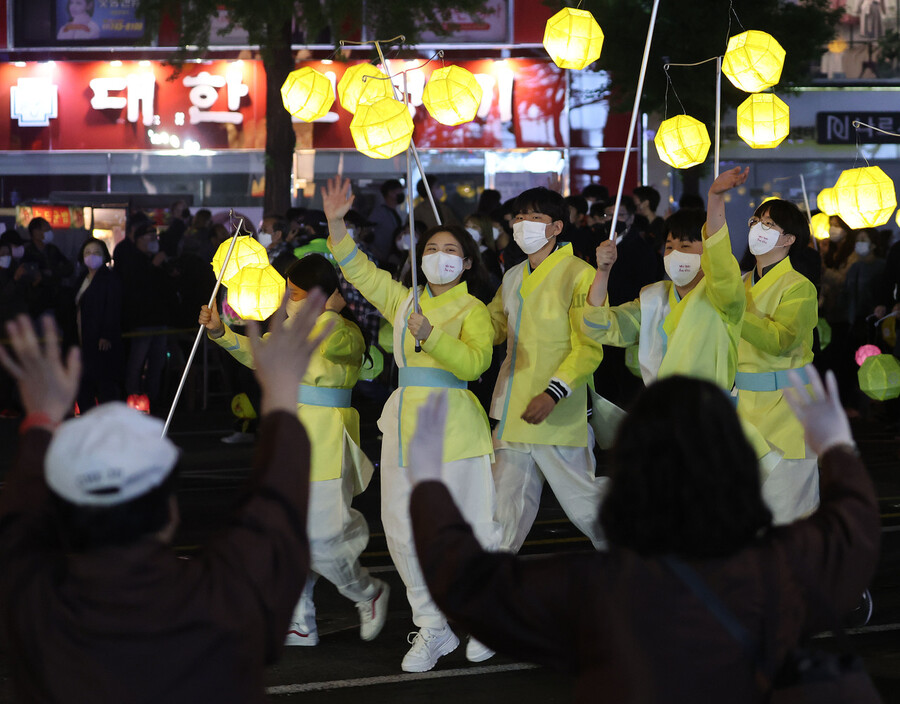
322	396
426	376
767	381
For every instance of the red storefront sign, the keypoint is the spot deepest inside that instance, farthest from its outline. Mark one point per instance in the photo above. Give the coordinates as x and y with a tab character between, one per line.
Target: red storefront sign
221	105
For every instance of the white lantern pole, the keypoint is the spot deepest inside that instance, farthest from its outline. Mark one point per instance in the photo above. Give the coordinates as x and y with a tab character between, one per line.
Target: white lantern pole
412	225
718	114
634	116
212	300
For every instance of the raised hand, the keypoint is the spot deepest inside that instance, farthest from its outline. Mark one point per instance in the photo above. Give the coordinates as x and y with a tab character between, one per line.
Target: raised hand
337	198
47	385
281	361
820	413
729	179
426	448
606	255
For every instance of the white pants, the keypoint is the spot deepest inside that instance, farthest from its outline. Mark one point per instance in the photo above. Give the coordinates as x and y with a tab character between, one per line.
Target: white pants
519	473
791	490
470	484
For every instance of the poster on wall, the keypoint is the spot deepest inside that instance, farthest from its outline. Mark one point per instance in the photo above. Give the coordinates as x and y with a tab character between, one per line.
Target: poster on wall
92	20
492	26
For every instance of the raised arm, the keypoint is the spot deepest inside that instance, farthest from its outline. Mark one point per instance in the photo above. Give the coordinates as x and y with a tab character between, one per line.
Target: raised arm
715	208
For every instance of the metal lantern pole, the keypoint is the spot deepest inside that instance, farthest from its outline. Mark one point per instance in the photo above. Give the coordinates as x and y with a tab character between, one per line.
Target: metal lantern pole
412	225
634	116
212	300
718	114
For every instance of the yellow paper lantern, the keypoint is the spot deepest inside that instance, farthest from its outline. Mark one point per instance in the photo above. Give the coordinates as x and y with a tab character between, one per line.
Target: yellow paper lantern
452	95
573	38
307	94
753	61
897	218
826	201
879	377
383	129
255	292
362	84
763	120
247	252
682	141
819	226
865	197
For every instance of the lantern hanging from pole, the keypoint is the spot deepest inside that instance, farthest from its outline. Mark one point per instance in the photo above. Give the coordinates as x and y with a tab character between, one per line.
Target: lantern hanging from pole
363	84
763	120
879	377
247	252
865	197
682	141
307	94
753	61
383	129
573	38
826	201
819	224
452	95
255	292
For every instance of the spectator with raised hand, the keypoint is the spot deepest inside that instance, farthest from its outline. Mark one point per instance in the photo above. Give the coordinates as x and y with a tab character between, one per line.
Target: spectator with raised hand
94	603
684	485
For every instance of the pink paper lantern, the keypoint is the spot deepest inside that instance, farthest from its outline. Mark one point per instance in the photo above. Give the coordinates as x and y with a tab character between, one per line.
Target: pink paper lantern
864	352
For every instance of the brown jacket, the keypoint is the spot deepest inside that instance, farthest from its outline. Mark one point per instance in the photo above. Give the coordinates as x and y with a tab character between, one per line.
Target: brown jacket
629	629
137	624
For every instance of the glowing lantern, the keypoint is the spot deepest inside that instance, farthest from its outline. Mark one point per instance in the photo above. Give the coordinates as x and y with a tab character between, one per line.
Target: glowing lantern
865	197
362	84
452	95
682	141
897	218
879	377
826	201
763	120
819	226
139	402
255	292
753	61
837	46
247	252
383	129
307	94
242	408
573	38
824	333
864	352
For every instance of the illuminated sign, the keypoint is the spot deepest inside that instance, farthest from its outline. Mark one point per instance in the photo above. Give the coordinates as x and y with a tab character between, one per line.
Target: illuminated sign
33	101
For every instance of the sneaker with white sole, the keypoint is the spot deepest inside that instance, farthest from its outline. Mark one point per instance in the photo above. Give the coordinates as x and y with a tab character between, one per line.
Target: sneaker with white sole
476	651
373	613
302	630
428	644
238	438
296	635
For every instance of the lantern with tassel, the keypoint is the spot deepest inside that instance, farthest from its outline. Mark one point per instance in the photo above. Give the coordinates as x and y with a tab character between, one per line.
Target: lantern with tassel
865	197
573	38
452	95
879	377
682	141
362	84
383	129
826	201
247	252
763	120
255	292
307	94
753	61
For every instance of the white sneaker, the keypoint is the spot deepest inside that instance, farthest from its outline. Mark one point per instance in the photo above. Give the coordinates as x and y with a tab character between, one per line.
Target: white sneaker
238	438
296	635
302	630
428	645
373	613
476	651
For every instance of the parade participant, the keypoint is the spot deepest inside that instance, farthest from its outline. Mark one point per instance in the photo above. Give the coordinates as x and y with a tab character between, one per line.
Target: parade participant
684	493
540	399
777	335
454	331
95	605
337	532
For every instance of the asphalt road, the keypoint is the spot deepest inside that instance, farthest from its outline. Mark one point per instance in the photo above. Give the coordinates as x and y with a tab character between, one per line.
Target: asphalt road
336	669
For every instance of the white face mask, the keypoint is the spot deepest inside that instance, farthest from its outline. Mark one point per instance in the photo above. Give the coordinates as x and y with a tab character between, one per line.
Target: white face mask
5	261
153	246
863	249
293	307
441	268
18	252
530	235
265	239
476	234
496	231
681	267
93	261
761	240
48	236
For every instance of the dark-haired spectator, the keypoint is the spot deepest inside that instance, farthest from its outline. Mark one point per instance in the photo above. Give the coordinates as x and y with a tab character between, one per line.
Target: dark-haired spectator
508	251
94	603
481	227
595	193
386	219
488	201
638	264
273	236
43	257
179	217
424	212
646	200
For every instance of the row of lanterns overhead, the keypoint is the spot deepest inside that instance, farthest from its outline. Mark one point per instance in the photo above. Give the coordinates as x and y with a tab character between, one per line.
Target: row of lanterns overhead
862	197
